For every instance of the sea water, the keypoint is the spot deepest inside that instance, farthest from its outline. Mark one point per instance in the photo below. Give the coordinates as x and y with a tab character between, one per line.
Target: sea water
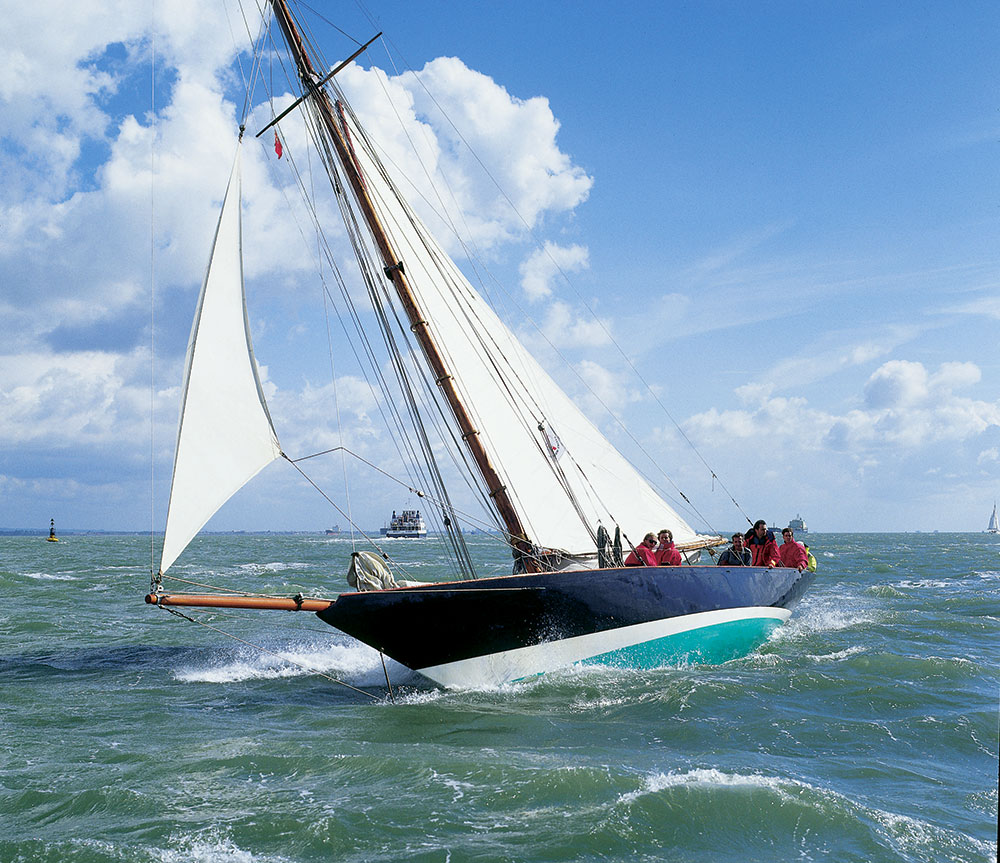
866	729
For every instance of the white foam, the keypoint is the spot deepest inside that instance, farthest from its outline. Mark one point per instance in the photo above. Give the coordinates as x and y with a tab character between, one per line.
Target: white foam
711	777
458	787
933	583
199	850
276	566
808	620
839	655
351	659
49	576
911	836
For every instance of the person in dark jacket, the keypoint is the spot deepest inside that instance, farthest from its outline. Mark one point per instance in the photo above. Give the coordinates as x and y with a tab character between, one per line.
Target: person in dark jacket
763	547
738	555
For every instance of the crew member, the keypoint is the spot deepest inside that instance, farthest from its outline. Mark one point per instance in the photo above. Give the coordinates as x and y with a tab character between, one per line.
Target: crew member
643	554
738	555
792	552
762	545
666	552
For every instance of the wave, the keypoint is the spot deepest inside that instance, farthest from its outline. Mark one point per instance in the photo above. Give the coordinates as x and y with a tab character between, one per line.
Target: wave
840	655
275	566
803	808
50	576
212	850
814	618
357	662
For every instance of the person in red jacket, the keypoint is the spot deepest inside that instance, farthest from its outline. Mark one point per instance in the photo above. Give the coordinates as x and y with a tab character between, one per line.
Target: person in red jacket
792	552
762	545
643	554
666	552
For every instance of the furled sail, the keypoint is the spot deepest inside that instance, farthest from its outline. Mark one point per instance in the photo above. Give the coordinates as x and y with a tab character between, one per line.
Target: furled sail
225	436
564	477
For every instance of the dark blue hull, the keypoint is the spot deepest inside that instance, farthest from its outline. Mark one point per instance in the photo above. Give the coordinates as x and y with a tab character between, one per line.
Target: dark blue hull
450	623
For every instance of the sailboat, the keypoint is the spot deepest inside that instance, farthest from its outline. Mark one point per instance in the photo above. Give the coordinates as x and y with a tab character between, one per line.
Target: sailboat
994	525
567	502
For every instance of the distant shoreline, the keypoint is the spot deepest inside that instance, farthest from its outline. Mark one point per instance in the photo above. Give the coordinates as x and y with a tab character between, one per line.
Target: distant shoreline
10	531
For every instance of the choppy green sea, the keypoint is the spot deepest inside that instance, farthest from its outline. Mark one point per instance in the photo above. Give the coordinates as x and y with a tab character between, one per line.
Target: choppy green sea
865	730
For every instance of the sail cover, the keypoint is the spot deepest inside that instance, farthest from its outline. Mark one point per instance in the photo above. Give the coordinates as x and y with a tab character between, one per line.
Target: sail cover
225	436
564	477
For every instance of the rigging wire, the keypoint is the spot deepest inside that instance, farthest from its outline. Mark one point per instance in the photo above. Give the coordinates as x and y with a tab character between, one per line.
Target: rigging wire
715	478
321	146
152	292
380	298
374	283
525	407
369	267
467	517
444	215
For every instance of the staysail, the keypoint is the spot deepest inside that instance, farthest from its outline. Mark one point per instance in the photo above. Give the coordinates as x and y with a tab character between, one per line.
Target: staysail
225	436
564	477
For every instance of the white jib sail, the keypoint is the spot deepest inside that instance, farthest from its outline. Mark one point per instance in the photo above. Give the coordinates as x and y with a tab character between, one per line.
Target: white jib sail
225	437
565	478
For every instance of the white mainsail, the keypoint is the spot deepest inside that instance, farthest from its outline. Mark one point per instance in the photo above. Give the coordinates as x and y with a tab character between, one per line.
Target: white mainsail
225	437
564	477
994	525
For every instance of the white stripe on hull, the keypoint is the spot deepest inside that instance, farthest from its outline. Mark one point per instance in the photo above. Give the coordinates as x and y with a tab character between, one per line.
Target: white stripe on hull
495	669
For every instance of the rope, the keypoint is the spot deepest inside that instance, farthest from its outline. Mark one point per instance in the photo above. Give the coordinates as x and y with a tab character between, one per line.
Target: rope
152	294
715	478
301	665
467	517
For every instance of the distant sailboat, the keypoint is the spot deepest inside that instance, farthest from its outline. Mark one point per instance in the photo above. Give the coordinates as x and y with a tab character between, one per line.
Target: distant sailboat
994	526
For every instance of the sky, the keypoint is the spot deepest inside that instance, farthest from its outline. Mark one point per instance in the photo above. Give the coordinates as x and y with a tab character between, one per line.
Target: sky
768	229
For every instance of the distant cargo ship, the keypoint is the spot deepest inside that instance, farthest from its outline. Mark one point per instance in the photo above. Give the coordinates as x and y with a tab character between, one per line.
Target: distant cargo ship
333	531
407	524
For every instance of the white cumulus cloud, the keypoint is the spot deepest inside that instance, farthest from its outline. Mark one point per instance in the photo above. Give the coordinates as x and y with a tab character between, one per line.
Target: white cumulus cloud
544	264
903	405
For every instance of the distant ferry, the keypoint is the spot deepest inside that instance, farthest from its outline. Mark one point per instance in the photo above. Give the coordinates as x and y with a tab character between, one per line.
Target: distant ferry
333	531
796	524
407	524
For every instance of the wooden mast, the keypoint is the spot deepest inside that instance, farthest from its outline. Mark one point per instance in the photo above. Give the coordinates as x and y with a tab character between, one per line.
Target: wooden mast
393	269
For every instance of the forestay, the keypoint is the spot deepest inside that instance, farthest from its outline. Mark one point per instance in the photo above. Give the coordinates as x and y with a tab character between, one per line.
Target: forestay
225	437
564	477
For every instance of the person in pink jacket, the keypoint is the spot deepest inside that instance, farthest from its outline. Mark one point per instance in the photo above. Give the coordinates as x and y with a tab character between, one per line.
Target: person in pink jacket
643	554
666	552
792	552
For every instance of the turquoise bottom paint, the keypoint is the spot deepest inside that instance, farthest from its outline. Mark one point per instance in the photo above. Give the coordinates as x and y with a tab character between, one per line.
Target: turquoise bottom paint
709	644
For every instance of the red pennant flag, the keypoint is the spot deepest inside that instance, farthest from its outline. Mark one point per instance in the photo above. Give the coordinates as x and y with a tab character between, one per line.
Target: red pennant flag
277	145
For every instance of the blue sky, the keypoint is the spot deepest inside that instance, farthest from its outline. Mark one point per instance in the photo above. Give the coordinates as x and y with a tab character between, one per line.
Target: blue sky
784	213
